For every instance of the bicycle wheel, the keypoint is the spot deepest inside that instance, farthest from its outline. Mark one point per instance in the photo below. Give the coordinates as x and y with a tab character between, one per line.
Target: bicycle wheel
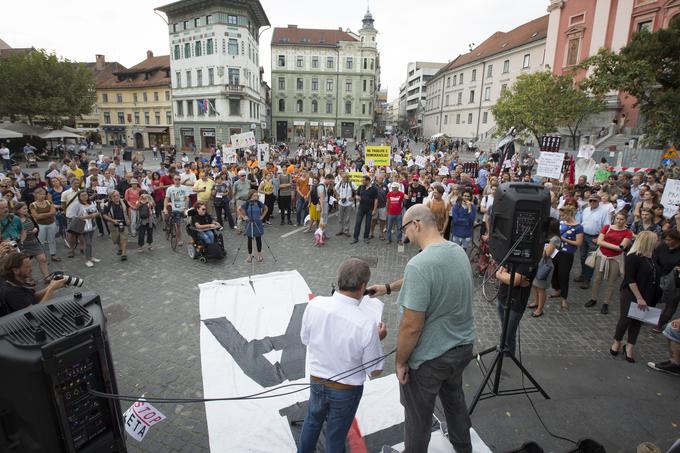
490	282
474	256
173	238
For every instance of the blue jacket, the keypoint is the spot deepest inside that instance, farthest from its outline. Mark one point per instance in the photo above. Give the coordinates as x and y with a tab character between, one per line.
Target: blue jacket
462	220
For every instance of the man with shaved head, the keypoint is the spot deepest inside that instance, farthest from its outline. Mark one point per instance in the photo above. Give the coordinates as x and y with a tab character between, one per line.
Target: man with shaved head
436	333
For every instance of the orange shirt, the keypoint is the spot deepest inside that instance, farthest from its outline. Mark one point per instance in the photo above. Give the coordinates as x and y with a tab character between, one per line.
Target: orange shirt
303	186
290	169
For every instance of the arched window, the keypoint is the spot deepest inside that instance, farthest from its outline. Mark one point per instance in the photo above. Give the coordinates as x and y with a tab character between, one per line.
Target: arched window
348	107
299	105
315	106
282	105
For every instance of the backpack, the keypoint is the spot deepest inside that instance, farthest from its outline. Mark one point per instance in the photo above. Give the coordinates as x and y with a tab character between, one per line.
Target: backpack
143	211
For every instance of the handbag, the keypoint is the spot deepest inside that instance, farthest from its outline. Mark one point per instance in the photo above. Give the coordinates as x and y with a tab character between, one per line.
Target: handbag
545	266
590	259
76	226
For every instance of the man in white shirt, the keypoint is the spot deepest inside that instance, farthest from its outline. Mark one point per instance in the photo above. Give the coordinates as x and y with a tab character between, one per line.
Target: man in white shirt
595	217
345	193
6	157
339	337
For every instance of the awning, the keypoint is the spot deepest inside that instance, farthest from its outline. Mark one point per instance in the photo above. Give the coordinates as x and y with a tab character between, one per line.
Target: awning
4	133
156	130
314	123
59	134
298	123
329	123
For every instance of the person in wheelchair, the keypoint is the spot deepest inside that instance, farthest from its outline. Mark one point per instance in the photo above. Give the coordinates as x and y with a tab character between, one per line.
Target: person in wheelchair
205	231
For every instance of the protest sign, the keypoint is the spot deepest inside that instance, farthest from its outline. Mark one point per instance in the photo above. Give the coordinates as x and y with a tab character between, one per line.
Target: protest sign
671	198
263	153
377	155
229	155
550	165
421	161
242	140
140	417
356	177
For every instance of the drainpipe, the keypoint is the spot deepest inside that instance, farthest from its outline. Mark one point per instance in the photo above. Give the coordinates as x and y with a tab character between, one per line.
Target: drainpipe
337	91
481	96
441	104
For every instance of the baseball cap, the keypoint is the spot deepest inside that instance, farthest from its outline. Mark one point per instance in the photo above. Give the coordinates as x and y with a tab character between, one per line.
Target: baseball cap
394	185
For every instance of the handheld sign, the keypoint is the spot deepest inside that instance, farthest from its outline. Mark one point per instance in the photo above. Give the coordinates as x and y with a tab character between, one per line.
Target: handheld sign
377	155
671	198
140	417
550	165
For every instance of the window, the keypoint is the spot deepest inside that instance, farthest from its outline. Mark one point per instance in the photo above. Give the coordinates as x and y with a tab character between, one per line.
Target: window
644	26
474	75
209	46
506	66
455	79
197	49
211	76
105	98
121	118
572	51
168	118
178	79
485	117
315	84
299	62
489	71
146	117
315	106
234	76
234	107
487	93
232	20
457	118
504	87
282	83
167	95
371	63
232	47
185	25
119	98
315	62
208	19
349	62
211	107
199	77
134	98
190	108
188	74
329	85
299	83
174	28
282	60
348	85
525	63
176	52
197	22
180	108
446	119
365	63
363	109
329	107
460	98
472	96
298	106
107	118
370	82
200	107
282	105
145	96
157	116
155	96
329	63
187	50
348	107
447	99
364	85
448	82
460	79
469	118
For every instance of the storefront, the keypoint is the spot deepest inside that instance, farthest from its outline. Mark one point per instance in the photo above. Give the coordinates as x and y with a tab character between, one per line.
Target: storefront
157	136
347	130
207	138
328	129
114	135
299	130
188	140
313	130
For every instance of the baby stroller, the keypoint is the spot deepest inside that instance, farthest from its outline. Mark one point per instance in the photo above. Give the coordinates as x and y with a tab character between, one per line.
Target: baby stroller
201	251
31	159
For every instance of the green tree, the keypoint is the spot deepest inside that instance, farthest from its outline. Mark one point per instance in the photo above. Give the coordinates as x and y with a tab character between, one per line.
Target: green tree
648	68
40	84
575	105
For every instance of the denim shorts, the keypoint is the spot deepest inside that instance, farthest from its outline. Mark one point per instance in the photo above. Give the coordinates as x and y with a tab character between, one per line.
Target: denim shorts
671	333
463	242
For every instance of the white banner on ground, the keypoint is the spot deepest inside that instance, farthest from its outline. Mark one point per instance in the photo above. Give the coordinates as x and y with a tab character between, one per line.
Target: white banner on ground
550	165
250	342
671	198
242	140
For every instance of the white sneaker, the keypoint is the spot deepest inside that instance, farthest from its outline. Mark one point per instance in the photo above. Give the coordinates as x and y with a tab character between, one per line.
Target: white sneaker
89	263
95	260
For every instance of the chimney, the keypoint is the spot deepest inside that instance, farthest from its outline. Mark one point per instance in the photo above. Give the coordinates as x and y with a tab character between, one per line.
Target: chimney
292	26
149	54
100	61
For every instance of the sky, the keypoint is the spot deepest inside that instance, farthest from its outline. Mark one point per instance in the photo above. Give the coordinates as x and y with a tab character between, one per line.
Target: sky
424	30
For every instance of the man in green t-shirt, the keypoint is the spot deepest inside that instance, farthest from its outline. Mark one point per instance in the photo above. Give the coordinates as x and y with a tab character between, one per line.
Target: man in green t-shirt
436	332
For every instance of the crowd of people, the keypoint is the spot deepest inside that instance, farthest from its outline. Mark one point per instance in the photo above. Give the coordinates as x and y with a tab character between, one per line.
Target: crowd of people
601	225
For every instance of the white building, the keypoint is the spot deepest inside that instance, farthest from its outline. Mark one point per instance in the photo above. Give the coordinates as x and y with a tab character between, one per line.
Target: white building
460	95
324	82
215	69
413	92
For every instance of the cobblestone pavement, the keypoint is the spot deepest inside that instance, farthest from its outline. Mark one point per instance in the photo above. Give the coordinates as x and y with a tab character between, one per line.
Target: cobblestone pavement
151	302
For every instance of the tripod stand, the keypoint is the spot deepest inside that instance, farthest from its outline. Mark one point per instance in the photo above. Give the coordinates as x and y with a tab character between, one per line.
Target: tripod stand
502	350
251	228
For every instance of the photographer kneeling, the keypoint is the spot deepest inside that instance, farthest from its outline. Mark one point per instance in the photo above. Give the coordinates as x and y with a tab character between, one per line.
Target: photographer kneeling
17	290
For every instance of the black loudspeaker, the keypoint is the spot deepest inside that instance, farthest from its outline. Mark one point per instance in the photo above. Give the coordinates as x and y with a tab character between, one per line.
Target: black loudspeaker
519	208
50	354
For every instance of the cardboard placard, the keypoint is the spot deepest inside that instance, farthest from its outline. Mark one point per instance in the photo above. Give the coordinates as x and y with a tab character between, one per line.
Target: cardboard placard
671	198
377	155
550	165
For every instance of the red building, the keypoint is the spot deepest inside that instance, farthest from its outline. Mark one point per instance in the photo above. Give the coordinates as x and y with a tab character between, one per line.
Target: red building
577	29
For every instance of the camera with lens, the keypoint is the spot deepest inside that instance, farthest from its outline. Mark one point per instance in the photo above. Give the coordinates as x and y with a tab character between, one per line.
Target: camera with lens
14	244
70	280
121	225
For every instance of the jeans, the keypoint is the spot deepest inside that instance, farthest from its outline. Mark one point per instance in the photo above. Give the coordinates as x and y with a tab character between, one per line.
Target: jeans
207	237
227	213
301	207
363	215
513	322
87	236
443	377
393	220
46	234
586	247
337	408
344	216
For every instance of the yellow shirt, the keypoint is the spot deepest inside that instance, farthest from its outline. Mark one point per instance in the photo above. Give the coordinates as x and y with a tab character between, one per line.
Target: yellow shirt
207	194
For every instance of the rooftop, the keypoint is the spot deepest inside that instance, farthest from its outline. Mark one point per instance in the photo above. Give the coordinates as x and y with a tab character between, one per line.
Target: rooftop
186	7
153	71
292	35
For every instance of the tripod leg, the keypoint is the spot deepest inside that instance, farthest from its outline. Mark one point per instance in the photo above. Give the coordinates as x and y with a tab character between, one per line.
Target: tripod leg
529	376
269	248
487	376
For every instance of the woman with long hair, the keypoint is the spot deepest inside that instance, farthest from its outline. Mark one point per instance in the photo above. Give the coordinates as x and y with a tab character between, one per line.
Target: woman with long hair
131	197
87	211
267	189
646	223
158	191
463	215
640	285
253	211
648	199
439	207
609	262
540	286
571	236
44	213
31	246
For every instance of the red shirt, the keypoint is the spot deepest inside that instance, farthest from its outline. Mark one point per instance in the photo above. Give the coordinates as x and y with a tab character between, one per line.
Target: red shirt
615	237
395	202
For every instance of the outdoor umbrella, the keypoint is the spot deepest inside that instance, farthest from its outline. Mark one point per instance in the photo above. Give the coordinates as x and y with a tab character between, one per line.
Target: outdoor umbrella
59	134
4	133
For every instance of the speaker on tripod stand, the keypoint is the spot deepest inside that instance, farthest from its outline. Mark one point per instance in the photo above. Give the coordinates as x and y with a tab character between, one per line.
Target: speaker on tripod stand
520	215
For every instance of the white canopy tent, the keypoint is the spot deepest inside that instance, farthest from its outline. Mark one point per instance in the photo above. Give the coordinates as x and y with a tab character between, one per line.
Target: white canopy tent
59	134
4	133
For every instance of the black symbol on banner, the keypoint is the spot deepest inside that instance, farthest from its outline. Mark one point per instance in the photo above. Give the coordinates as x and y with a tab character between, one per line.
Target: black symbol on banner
249	355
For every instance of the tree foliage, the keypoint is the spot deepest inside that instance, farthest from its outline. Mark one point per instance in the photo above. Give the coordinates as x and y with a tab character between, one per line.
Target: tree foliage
540	102
648	68
40	84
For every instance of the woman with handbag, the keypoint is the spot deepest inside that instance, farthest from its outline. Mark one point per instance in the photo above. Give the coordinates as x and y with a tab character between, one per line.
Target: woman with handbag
83	222
545	267
608	264
640	285
571	236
